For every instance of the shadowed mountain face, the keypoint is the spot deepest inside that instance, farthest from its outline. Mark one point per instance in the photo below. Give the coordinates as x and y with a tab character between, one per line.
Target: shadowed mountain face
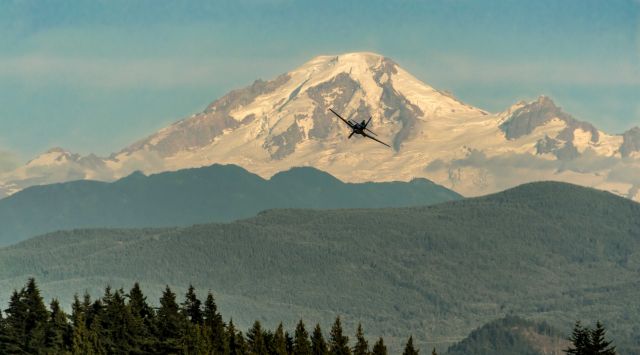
213	194
527	118
546	251
631	143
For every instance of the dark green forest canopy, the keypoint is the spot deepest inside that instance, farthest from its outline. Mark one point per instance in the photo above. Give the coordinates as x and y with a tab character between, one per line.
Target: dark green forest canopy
547	251
125	322
218	193
122	322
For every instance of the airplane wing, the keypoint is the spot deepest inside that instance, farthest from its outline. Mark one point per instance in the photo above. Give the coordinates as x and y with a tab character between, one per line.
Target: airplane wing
379	141
370	131
340	117
367	129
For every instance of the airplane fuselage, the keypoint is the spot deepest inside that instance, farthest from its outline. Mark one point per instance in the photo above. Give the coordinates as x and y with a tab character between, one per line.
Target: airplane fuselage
357	128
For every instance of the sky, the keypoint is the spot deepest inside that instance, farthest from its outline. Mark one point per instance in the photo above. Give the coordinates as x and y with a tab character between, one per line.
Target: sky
95	76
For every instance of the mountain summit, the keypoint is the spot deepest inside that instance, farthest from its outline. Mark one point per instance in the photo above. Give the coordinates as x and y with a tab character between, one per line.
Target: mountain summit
271	126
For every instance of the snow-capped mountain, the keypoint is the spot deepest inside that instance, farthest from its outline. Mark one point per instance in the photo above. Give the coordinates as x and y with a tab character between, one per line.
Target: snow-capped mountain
273	125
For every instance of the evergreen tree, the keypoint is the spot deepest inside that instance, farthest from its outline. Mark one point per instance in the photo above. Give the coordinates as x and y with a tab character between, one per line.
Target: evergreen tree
579	340
242	347
192	307
76	309
37	317
26	322
14	324
138	305
3	335
170	324
598	344
235	339
362	346
338	342
202	341
192	339
121	334
215	326
81	339
268	340
301	343
279	341
142	319
586	341
318	344
289	340
93	313
86	305
256	342
58	331
409	349
87	339
379	348
231	336
95	331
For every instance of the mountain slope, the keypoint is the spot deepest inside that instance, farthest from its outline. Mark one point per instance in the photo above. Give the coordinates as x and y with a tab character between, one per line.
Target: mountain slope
271	126
512	336
212	194
547	251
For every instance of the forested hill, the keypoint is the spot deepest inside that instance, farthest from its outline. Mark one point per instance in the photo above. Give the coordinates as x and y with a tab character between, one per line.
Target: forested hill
217	193
547	251
512	336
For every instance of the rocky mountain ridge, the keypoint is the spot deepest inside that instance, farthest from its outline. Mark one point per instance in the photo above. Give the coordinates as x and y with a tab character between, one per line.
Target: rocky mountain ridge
271	126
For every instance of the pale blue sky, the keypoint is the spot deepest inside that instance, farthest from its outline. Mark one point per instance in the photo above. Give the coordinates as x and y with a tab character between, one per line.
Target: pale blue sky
93	76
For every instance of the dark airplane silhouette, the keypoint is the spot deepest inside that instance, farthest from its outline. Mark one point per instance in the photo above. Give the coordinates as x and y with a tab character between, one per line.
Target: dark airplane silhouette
359	128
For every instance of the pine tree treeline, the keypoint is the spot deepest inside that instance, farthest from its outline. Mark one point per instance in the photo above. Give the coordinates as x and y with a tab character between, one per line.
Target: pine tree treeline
124	323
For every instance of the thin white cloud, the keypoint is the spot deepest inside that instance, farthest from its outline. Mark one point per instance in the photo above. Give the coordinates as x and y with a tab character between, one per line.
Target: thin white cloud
109	73
8	161
507	170
158	56
480	70
171	72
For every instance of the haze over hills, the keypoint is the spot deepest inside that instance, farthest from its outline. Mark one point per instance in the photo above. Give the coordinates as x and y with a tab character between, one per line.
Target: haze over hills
546	251
217	193
273	125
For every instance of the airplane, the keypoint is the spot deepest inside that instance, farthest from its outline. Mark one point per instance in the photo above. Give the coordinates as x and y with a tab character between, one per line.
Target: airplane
360	128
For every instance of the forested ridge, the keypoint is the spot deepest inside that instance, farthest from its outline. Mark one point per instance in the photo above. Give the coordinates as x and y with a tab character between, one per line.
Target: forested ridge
217	193
546	251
